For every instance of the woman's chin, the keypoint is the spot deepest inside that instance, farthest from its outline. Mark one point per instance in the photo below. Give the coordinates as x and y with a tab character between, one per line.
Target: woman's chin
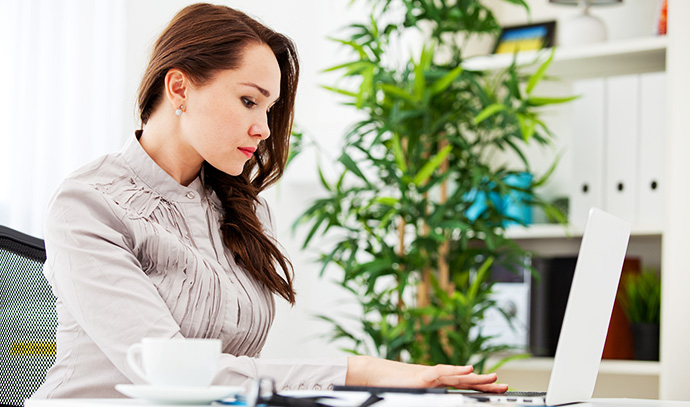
234	169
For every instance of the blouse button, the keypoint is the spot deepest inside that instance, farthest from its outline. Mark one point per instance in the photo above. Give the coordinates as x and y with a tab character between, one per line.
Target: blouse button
190	195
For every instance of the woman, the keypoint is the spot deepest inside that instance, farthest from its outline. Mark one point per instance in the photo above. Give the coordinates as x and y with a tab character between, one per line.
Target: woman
169	238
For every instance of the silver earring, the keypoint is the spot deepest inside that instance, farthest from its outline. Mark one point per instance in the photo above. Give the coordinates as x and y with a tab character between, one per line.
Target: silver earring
178	112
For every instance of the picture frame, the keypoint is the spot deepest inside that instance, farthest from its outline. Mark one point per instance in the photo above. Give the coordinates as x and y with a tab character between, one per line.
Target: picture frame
525	37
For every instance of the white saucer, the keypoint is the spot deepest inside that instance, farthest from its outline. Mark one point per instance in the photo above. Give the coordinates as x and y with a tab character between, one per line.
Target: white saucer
178	395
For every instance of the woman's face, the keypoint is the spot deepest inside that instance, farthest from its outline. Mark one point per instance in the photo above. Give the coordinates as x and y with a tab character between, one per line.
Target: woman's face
226	118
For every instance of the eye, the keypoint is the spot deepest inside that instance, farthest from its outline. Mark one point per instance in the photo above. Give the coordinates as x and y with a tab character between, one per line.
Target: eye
248	103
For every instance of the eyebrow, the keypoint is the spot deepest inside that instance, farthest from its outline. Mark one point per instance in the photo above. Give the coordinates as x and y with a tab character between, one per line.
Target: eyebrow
259	88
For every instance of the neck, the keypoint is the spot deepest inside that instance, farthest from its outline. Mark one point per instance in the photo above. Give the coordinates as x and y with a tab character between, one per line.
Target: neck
162	141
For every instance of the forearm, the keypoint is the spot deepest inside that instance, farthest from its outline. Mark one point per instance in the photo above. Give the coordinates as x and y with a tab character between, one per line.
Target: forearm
357	371
369	371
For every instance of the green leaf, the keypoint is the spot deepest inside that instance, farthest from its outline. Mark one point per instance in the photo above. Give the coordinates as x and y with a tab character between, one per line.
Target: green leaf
539	74
352	67
341	91
489	111
395	91
542	180
323	179
443	83
351	165
431	166
366	88
553	213
419	79
385	218
398	153
527	126
479	279
542	101
387	200
313	230
517	151
360	50
427	57
374	26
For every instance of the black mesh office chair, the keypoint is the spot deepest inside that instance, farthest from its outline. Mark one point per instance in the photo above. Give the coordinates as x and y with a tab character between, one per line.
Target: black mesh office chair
28	320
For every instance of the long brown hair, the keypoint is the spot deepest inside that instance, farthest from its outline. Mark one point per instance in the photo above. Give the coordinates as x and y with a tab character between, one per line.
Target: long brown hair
201	40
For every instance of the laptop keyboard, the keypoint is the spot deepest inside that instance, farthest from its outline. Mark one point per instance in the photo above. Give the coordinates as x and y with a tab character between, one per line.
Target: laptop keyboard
525	393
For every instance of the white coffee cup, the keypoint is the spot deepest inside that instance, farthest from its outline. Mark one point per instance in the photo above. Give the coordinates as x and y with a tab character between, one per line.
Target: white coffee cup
175	361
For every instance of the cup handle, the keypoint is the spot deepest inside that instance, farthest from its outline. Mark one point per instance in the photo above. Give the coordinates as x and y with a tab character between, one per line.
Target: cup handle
134	360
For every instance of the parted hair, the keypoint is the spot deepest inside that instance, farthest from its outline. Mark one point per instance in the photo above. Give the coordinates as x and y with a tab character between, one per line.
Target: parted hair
202	40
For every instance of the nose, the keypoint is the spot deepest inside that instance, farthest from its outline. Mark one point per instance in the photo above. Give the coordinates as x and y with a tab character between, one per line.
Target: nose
260	128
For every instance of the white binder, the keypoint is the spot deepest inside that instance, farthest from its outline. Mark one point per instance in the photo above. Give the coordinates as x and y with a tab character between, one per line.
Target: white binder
587	149
622	133
651	180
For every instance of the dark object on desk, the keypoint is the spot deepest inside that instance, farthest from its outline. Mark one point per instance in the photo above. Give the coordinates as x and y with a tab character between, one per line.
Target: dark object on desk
380	390
28	319
510	396
263	393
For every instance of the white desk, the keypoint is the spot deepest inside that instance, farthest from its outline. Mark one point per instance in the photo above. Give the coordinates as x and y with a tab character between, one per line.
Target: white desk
132	402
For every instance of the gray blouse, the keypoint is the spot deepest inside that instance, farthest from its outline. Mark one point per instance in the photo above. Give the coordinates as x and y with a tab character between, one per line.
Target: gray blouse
131	253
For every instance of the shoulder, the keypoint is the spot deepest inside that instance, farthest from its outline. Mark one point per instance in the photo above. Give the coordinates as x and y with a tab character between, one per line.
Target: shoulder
95	191
81	184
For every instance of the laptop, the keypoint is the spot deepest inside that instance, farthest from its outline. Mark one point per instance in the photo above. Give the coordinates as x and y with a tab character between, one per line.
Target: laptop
587	316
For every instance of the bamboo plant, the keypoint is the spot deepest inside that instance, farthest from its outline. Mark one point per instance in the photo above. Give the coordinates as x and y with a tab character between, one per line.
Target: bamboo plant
415	218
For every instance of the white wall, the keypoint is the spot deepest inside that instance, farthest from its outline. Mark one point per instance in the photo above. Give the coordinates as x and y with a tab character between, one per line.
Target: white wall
62	68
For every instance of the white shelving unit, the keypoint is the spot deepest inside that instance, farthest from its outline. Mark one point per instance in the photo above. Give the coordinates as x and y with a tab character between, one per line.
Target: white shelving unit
605	59
555	231
668	378
617	378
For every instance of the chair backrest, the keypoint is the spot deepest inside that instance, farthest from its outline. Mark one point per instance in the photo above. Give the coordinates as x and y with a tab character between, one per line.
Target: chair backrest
28	319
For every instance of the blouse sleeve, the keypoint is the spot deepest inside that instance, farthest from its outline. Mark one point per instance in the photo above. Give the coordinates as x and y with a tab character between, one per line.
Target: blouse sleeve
97	278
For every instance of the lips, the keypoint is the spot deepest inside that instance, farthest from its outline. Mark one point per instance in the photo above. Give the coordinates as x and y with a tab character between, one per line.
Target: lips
248	151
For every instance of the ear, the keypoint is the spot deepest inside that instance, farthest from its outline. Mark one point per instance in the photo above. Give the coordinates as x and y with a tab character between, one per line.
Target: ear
176	87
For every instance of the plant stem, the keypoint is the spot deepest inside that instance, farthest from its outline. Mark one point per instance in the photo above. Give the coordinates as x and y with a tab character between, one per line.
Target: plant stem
401	253
444	250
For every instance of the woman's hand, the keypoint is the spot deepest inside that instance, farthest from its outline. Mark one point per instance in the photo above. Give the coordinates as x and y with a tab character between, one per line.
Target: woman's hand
369	371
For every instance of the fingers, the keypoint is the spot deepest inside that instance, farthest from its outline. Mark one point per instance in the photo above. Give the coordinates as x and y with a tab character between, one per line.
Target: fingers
438	375
469	380
491	388
472	381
